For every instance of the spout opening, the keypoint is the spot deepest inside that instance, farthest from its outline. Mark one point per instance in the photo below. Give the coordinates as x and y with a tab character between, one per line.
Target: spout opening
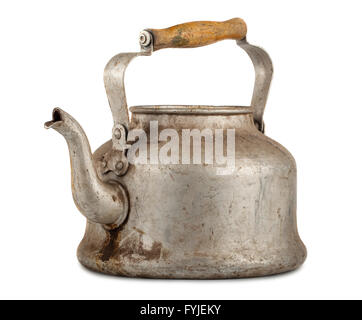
56	118
57	115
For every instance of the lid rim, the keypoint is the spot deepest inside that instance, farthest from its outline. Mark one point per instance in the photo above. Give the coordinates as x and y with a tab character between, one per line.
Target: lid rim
190	109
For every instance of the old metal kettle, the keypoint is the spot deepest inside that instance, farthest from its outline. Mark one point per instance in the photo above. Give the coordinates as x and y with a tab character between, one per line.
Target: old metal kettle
180	218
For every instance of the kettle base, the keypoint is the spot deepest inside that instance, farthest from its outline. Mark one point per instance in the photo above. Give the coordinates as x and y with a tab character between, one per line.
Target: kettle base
213	269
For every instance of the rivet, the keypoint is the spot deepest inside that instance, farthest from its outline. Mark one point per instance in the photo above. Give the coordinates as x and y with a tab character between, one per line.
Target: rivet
119	165
117	133
145	38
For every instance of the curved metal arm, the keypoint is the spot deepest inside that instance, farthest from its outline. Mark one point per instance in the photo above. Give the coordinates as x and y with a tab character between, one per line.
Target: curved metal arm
263	67
114	83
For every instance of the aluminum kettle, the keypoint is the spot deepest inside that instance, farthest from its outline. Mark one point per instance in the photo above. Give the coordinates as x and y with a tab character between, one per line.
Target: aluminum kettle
161	198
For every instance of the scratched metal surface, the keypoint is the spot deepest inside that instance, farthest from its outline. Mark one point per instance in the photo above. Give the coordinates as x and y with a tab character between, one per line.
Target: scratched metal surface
185	221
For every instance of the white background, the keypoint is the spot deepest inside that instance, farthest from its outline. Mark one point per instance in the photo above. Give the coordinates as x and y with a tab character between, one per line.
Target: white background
52	53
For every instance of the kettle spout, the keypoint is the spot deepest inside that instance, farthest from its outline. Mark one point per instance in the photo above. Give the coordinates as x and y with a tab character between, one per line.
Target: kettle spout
100	202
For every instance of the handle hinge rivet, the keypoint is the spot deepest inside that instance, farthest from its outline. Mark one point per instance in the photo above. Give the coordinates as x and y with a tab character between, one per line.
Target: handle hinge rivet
145	38
119	165
117	133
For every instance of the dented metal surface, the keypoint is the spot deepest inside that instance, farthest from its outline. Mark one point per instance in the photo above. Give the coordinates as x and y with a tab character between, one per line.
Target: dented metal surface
185	221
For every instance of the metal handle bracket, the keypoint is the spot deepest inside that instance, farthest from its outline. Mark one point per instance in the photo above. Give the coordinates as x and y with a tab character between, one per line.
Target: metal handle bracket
116	67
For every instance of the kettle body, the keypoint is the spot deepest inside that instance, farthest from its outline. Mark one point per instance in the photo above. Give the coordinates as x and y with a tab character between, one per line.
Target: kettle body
178	213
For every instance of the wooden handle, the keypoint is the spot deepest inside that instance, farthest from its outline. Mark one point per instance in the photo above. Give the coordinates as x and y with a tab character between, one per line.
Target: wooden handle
198	33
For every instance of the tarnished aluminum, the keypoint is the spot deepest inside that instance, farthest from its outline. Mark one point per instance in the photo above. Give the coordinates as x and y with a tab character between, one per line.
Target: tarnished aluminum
177	220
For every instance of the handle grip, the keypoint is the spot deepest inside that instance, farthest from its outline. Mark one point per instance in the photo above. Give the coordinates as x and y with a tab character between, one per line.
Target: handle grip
195	34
